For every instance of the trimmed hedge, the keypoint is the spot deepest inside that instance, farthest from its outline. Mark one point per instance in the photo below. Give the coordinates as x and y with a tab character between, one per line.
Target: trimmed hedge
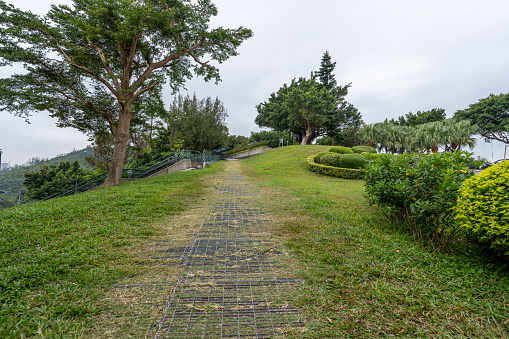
341	150
345	173
362	149
483	207
356	161
329	159
318	156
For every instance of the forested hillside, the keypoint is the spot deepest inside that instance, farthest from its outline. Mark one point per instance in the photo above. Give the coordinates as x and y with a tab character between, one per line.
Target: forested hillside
11	180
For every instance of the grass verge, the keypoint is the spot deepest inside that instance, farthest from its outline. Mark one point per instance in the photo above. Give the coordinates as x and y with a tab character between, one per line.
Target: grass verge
59	258
366	279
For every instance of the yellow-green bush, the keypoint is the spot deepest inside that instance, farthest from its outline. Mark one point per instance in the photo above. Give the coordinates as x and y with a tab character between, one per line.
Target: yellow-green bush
345	173
483	206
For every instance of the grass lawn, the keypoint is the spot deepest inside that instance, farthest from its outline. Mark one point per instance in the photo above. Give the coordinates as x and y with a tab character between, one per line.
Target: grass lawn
366	279
59	258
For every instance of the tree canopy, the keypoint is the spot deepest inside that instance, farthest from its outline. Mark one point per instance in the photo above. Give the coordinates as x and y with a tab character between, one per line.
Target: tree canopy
199	123
419	118
310	108
87	64
491	115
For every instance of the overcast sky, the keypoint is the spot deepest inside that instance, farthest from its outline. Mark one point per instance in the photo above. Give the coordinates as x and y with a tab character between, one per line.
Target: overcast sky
399	55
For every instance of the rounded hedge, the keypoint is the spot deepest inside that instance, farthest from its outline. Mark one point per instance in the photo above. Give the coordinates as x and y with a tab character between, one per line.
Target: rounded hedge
354	160
362	149
483	206
317	157
330	159
341	150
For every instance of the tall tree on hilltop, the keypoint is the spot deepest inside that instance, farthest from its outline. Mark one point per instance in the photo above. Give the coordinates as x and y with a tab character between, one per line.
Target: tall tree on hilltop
310	108
87	64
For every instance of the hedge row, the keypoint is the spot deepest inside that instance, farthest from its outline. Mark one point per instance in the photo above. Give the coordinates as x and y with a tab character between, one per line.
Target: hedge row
345	173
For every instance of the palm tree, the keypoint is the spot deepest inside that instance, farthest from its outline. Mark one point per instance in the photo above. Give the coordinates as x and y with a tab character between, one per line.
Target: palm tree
458	133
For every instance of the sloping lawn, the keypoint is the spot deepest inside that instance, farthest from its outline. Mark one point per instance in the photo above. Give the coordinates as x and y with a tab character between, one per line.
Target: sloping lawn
58	258
366	279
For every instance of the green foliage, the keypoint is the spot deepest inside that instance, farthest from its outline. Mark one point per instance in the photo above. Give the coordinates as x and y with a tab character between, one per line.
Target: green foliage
419	118
272	137
330	159
333	171
234	141
90	62
355	160
310	108
362	278
11	181
318	156
199	123
53	179
419	192
362	149
341	150
247	148
491	115
483	206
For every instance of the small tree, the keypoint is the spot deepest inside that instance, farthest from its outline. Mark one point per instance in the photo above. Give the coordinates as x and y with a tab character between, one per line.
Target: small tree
52	179
87	64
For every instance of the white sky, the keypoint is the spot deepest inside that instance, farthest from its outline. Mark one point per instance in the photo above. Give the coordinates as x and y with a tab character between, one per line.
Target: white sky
400	55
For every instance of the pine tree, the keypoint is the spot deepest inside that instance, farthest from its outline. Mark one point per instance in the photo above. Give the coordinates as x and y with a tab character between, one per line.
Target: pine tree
325	72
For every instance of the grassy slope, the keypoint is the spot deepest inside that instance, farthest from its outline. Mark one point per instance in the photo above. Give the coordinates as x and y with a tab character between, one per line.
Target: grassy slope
365	279
57	258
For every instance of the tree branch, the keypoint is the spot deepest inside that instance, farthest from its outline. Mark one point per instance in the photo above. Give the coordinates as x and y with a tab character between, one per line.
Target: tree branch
105	64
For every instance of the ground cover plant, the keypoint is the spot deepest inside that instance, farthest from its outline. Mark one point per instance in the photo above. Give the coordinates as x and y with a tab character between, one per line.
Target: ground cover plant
59	257
364	278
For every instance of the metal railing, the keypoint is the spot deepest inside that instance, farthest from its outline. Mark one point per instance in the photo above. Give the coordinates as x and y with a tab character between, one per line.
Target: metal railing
144	172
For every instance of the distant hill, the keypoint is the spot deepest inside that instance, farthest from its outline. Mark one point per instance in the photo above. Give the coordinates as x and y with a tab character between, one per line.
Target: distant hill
11	180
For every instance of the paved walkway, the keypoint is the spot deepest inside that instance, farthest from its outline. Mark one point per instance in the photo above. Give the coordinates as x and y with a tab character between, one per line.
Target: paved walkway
229	284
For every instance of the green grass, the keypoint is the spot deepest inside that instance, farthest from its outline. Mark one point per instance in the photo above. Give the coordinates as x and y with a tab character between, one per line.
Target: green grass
58	258
366	279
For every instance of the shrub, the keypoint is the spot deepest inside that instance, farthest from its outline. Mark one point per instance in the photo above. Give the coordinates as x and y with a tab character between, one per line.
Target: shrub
362	149
330	159
483	207
419	191
341	150
318	156
345	173
357	161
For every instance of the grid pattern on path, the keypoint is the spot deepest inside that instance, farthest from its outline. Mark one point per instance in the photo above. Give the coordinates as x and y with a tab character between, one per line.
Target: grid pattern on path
230	284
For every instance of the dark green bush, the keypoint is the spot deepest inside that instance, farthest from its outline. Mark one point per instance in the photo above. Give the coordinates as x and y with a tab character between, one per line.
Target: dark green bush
345	173
419	191
341	150
330	159
483	207
355	160
318	156
361	149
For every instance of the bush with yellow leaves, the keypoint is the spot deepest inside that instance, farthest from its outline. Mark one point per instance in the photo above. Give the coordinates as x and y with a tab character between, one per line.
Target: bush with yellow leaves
483	207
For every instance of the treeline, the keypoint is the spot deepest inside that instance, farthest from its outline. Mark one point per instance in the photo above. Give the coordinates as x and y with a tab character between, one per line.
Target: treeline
11	181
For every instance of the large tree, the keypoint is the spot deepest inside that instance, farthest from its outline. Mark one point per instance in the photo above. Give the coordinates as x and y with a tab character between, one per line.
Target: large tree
419	118
491	115
87	64
199	123
310	108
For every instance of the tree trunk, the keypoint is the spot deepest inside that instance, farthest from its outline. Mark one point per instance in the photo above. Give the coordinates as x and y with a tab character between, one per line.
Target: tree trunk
119	149
310	135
